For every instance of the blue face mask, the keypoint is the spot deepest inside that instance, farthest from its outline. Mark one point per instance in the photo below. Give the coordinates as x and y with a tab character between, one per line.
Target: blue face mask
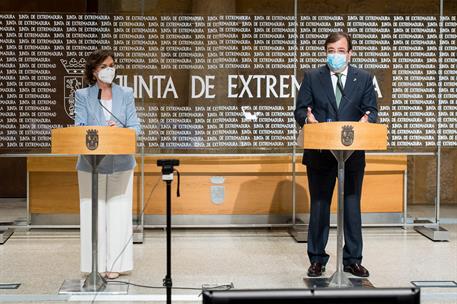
336	62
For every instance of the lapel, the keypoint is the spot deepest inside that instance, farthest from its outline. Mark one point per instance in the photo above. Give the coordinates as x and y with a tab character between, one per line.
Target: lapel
349	86
326	82
95	107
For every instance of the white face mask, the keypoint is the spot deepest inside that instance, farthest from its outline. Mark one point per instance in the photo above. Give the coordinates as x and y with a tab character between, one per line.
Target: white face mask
336	62
107	75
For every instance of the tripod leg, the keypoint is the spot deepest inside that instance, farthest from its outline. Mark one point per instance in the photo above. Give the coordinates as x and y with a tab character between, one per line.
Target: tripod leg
167	282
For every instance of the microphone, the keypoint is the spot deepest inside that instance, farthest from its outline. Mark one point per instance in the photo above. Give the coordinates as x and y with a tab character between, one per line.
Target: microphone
99	96
327	114
347	99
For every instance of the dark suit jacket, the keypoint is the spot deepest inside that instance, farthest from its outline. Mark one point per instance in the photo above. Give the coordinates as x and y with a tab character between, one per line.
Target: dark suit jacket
316	91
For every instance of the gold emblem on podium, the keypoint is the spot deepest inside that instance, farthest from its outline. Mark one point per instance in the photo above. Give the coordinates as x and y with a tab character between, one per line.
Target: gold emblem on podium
92	139
347	135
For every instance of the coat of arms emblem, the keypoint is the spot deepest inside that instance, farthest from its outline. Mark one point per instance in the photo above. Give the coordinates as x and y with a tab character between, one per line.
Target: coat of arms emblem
347	135
92	139
72	83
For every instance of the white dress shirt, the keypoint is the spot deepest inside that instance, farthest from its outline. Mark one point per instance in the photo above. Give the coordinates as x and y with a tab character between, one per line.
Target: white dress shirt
108	104
344	75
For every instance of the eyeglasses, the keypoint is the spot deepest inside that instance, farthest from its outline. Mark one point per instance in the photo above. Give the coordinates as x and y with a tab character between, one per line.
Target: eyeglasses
340	51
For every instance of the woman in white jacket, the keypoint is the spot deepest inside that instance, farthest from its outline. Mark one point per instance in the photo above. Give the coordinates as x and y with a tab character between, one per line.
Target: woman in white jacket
115	181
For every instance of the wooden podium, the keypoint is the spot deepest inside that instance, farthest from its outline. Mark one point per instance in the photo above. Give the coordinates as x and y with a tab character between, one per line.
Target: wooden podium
95	142
342	139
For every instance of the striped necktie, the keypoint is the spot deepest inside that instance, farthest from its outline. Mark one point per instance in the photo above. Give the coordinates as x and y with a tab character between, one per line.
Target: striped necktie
338	92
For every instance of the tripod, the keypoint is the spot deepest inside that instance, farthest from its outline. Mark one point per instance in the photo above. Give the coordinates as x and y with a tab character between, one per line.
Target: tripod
167	177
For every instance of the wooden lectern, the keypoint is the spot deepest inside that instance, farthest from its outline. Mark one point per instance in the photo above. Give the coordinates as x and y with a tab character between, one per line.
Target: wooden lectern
95	142
342	139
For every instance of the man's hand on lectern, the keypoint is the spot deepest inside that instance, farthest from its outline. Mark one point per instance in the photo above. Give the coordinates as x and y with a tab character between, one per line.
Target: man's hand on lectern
310	116
365	117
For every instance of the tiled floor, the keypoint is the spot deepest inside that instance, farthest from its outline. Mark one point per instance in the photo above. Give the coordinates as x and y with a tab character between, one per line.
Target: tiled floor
250	258
262	258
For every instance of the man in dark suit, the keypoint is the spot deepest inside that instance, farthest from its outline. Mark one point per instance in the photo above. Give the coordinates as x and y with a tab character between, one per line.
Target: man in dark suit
335	92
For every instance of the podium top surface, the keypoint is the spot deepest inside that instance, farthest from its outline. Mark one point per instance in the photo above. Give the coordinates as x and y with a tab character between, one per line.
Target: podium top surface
345	135
93	140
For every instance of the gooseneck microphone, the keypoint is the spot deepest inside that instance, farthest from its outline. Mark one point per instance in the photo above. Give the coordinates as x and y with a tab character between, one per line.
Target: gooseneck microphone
327	114
349	100
99	97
